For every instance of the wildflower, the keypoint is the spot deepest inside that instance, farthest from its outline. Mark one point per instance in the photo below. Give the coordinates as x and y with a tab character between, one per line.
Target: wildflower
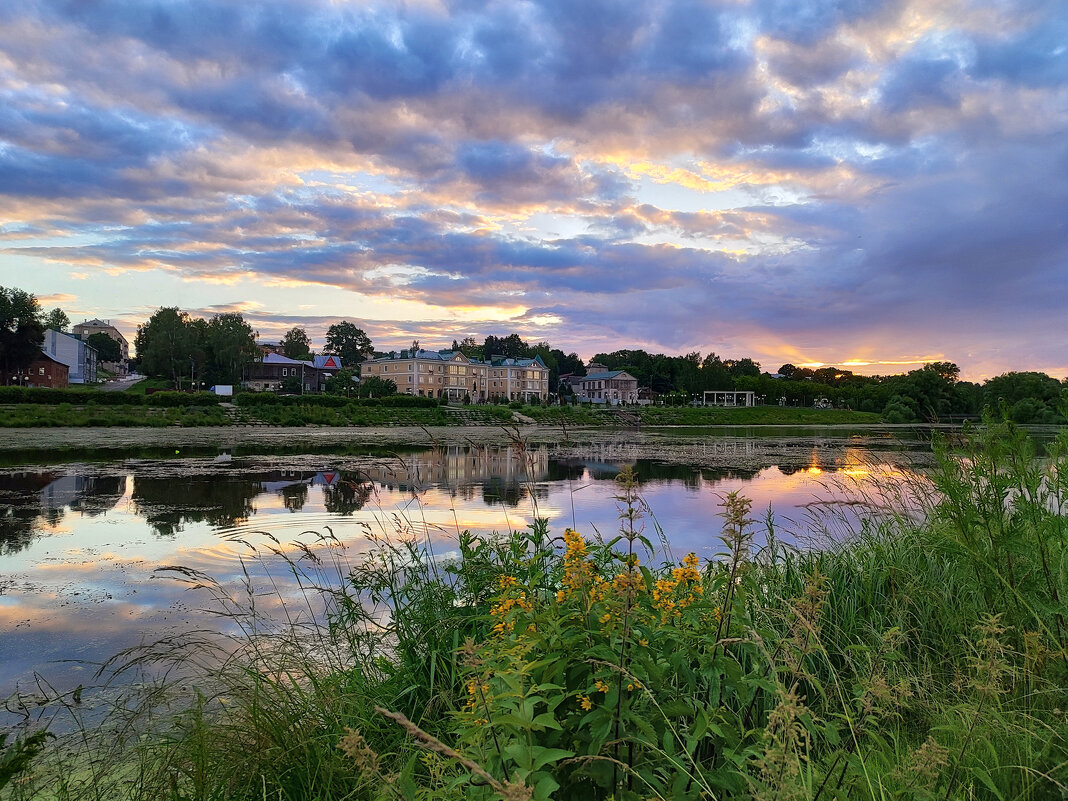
601	686
560	596
643	642
504	582
585	702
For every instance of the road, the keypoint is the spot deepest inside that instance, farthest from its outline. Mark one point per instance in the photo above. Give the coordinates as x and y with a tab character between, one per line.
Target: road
119	384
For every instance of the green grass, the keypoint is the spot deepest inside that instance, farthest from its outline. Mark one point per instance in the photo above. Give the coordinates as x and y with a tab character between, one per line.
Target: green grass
924	658
145	384
690	416
67	415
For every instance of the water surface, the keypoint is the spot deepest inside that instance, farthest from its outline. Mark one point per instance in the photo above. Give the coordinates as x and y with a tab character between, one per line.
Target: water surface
85	547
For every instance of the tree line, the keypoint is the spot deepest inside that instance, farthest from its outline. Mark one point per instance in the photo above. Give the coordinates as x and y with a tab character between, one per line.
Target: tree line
193	351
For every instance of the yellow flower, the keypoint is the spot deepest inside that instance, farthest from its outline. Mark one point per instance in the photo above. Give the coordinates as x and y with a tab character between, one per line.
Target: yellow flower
585	702
506	581
643	642
560	596
601	686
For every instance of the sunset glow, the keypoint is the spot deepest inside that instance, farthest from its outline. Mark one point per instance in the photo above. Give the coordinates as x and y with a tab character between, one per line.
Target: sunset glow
869	185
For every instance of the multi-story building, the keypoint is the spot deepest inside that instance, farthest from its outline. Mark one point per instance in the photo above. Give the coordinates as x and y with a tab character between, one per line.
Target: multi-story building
612	387
273	370
450	374
43	372
85	329
79	356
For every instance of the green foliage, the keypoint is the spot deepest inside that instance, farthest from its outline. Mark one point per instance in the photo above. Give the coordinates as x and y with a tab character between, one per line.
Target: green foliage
296	344
374	386
343	383
349	342
17	757
57	320
165	344
107	349
21	331
229	346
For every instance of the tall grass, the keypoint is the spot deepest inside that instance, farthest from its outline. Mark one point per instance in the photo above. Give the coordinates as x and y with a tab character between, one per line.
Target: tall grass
922	658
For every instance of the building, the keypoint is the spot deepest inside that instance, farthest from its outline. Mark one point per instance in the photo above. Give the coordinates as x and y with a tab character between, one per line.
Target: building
273	371
450	374
612	387
86	329
79	356
44	372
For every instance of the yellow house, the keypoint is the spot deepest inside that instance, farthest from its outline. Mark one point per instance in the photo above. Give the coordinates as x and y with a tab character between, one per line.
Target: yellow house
450	374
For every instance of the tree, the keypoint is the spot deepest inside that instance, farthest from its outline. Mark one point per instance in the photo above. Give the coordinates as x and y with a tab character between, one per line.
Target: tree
230	343
107	349
165	344
57	320
511	347
21	331
343	382
469	348
376	387
349	342
297	345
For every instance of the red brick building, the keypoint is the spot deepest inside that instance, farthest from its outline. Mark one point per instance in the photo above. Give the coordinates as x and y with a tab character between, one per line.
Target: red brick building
44	372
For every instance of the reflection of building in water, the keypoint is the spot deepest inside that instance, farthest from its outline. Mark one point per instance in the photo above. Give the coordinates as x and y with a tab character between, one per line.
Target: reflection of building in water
31	500
460	465
90	494
293	485
506	473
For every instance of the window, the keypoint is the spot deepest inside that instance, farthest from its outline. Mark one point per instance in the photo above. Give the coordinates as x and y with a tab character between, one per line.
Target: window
285	372
40	371
409	368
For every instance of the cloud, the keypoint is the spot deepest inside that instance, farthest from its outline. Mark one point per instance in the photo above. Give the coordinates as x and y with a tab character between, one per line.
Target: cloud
799	174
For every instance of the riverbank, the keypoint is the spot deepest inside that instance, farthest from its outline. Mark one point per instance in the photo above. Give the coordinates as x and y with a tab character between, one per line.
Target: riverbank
739	446
171	409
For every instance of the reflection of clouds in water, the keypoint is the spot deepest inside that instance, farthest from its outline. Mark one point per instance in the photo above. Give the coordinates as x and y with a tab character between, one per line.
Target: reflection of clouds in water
100	590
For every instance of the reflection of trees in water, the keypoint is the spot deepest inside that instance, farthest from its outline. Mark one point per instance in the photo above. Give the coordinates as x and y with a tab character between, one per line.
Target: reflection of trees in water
294	496
168	503
18	523
566	469
511	493
30	500
350	494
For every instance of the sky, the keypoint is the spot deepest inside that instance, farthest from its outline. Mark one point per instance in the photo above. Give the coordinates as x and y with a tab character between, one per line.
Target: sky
875	183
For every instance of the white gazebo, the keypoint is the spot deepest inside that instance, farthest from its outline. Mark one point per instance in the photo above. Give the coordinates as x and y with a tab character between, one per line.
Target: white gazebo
729	398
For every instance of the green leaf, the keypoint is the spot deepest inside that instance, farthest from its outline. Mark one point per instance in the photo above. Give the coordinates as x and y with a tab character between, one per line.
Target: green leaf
984	777
546	720
545	756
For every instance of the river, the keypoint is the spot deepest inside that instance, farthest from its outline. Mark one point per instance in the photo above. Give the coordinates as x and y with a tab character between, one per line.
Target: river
97	544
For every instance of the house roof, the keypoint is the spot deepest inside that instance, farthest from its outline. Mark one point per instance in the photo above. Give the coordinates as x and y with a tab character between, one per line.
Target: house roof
327	361
278	358
48	357
607	376
450	355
